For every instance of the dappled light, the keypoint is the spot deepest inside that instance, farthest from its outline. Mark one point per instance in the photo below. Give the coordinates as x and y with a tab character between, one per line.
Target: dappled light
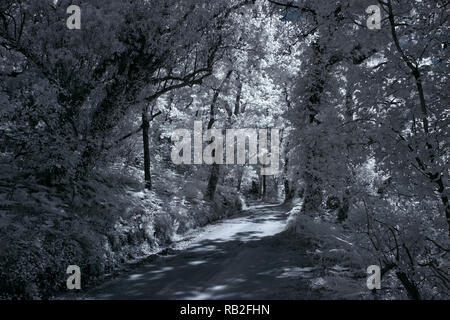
222	262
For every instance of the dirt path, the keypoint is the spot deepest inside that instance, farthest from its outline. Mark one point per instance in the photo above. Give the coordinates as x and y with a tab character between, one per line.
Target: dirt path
246	257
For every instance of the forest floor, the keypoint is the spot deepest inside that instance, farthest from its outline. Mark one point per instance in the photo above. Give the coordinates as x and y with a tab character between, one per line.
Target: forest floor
249	256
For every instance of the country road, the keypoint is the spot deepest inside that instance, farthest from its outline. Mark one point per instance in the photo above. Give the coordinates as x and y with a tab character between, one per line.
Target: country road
244	257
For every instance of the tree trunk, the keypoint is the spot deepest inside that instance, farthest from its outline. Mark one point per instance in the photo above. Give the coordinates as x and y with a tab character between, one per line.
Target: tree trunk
214	175
312	199
212	182
145	131
237	103
343	209
288	193
411	288
240	175
264	187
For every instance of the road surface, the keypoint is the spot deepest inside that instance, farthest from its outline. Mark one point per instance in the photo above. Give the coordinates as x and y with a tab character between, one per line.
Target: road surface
244	257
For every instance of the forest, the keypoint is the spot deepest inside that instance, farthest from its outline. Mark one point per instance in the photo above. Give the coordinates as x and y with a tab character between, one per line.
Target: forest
348	102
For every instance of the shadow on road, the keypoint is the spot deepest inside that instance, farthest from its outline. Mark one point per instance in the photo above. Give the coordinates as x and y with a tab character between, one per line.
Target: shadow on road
249	257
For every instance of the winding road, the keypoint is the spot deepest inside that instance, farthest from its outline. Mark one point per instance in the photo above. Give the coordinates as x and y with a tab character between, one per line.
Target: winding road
249	256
